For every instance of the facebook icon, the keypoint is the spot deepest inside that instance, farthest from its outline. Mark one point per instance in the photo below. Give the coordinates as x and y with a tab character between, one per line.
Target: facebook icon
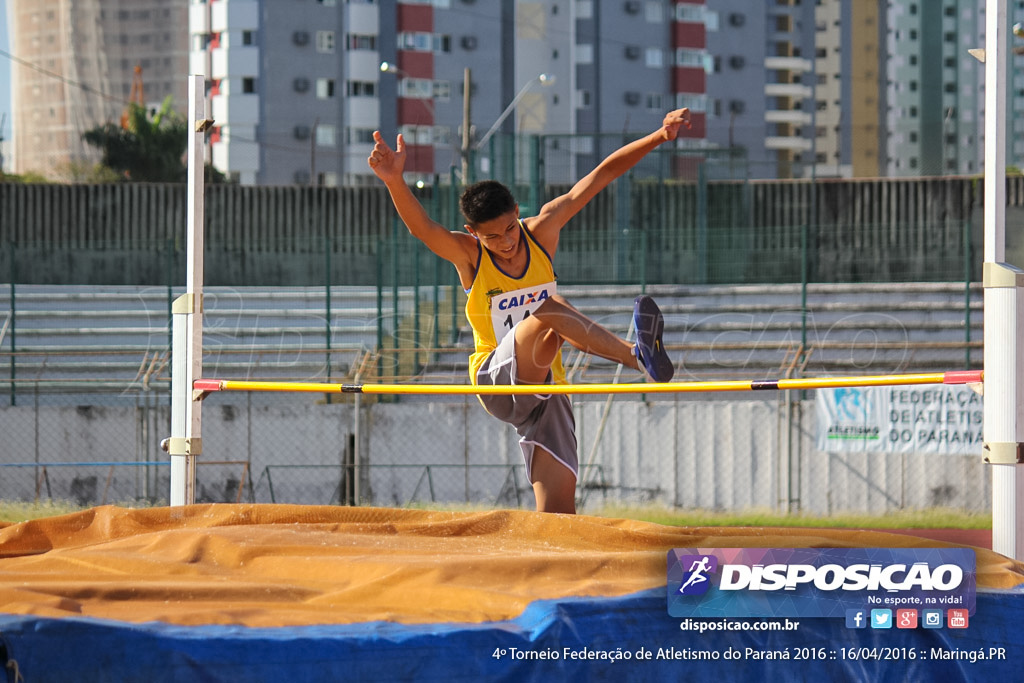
856	618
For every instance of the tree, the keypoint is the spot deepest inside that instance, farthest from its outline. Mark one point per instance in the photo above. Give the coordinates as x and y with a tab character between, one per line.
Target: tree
145	150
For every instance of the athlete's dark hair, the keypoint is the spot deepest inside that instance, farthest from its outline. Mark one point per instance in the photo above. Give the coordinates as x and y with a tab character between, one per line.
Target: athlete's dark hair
485	201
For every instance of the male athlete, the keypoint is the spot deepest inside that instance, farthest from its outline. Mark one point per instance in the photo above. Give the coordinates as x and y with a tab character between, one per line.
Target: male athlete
518	318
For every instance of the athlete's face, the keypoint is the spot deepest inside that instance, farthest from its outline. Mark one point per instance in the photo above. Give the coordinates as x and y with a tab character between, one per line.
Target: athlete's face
501	235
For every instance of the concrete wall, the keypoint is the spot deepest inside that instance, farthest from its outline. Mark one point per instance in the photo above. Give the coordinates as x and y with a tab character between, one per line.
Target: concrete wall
696	452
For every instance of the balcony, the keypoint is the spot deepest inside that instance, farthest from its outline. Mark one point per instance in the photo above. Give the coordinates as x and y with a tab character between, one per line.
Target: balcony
792	116
789	143
788	63
788	90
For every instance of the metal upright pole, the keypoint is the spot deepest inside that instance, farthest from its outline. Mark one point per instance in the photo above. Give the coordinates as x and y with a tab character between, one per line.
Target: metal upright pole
186	441
1004	308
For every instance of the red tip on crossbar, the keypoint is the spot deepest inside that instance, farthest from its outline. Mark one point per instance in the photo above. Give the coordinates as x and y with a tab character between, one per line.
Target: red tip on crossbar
207	385
961	376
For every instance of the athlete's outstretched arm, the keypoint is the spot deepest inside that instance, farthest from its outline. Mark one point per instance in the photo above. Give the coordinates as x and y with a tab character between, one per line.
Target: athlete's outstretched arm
555	214
389	165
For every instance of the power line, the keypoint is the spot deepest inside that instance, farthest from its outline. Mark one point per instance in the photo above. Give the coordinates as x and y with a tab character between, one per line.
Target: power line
60	77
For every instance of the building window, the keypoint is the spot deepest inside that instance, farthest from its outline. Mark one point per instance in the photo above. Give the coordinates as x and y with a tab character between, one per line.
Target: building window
442	135
359	136
326	135
325	41
654	102
421	88
417	135
654	13
248	38
584	9
689	12
249	85
689	57
691	101
361	89
655	58
360	41
424	42
325	88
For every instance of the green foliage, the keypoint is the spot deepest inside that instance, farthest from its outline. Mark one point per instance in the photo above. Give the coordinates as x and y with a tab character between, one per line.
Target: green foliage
22	512
145	150
937	518
92	174
28	178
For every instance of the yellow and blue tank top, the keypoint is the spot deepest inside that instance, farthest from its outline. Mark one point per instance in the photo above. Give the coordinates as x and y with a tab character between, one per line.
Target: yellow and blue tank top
497	300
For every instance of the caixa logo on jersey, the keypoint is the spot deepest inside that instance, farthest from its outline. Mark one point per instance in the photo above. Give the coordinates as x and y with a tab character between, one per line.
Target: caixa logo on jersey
816	582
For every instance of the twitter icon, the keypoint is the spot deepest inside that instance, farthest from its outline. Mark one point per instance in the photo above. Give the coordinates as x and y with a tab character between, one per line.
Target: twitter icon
881	618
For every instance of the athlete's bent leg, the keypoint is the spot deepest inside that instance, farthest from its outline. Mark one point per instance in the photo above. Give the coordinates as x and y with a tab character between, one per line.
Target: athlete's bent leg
558	315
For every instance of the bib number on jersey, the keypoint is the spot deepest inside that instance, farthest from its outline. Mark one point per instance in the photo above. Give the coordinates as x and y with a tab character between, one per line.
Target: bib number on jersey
509	308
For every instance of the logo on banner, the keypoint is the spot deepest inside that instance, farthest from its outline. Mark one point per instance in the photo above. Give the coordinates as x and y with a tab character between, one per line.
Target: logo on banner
868	587
945	420
696	581
855	416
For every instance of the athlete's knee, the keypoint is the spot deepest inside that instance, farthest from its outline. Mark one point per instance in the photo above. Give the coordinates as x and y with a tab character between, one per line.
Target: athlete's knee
553	303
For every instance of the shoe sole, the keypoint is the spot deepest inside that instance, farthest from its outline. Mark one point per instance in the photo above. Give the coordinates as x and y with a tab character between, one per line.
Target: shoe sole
650	326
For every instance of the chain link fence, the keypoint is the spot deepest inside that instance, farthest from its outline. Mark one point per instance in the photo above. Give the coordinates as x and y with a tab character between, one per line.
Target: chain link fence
757	280
84	399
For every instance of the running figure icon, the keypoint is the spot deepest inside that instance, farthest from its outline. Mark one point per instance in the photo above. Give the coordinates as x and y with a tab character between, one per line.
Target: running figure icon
697	570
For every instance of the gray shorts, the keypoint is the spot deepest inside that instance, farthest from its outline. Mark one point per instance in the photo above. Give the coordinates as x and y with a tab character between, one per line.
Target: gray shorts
545	421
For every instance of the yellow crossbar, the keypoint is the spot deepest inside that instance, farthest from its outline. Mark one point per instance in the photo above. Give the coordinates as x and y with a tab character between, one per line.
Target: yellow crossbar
955	377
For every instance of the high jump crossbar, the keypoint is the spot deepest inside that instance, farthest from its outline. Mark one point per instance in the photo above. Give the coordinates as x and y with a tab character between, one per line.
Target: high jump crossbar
203	386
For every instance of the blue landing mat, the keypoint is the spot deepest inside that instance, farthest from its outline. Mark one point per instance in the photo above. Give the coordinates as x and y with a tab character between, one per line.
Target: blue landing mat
577	639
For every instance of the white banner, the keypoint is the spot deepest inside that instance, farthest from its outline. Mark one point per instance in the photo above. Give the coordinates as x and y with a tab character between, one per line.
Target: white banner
941	419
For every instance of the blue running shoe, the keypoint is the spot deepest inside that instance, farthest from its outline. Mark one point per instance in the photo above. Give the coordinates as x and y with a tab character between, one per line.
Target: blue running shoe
649	349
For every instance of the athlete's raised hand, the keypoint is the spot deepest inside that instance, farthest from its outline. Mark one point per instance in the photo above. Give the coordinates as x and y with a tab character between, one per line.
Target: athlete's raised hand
386	163
673	120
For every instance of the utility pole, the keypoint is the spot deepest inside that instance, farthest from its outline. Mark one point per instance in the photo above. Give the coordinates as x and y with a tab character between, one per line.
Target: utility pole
467	137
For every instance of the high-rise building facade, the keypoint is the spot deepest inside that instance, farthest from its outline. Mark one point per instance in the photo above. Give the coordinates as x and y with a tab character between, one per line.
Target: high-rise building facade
76	62
934	88
297	88
761	89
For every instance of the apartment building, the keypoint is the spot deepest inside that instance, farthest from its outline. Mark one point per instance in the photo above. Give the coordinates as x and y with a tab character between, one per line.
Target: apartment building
761	89
75	68
297	87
